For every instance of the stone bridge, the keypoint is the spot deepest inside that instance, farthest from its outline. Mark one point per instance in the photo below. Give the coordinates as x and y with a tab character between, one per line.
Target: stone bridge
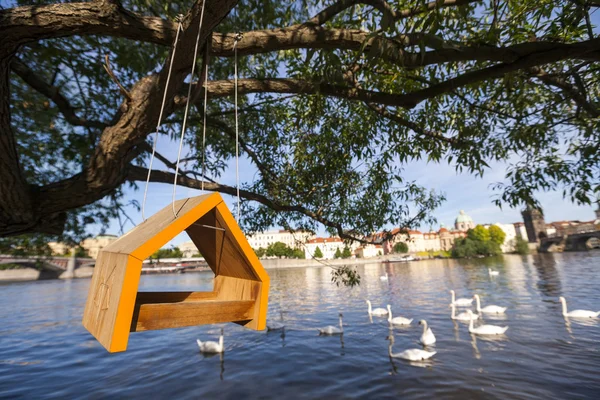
571	242
50	265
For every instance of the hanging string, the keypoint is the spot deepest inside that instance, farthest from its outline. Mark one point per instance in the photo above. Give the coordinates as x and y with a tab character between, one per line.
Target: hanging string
160	115
238	37
187	107
204	119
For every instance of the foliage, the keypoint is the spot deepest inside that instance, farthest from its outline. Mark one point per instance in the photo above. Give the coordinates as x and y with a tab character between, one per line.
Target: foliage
401	247
479	234
25	245
480	241
346	275
497	235
167	253
79	252
318	253
346	253
522	246
281	250
338	253
439	253
468	247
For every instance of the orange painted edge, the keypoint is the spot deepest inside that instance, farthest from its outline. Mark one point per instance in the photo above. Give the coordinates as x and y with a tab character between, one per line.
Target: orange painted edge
263	276
122	325
177	226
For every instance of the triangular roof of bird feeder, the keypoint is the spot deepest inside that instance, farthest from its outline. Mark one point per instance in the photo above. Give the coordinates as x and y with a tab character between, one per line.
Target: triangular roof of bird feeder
114	307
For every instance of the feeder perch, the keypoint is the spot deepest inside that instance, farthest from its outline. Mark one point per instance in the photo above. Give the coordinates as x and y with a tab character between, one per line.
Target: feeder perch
114	306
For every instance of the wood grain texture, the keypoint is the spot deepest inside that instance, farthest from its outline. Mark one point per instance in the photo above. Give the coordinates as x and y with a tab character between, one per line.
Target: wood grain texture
111	299
154	316
241	285
173	297
229	288
160	228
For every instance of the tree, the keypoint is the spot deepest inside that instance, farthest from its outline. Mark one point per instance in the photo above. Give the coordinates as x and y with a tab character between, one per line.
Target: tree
497	235
474	245
260	252
297	253
318	253
25	246
338	253
401	247
278	249
346	253
167	253
522	246
479	234
365	83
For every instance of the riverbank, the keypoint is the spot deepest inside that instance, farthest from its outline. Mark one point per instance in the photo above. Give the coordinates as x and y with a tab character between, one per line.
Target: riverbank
32	274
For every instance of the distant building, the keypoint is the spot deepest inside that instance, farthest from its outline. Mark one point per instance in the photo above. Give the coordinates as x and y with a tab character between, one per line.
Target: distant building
534	224
93	245
188	249
294	240
59	248
520	230
328	247
463	222
369	251
510	240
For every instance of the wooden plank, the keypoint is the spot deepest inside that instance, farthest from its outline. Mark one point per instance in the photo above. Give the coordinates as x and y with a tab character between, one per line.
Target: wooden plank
189	313
262	303
229	288
111	299
172	297
161	227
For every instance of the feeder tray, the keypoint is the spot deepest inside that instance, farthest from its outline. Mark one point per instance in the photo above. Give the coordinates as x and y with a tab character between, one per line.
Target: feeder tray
114	306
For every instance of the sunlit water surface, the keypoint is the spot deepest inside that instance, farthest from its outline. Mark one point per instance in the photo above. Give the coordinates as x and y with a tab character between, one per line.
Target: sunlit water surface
45	352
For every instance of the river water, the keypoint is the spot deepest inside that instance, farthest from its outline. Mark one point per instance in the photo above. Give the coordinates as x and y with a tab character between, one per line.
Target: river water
45	352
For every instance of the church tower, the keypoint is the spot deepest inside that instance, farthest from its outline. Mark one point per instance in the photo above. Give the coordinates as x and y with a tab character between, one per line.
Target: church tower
534	224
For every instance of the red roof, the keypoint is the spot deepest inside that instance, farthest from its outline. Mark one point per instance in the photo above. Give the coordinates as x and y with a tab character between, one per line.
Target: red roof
443	230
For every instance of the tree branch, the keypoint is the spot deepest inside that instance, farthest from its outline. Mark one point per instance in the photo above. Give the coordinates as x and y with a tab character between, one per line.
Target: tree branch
116	147
568	89
25	24
336	8
52	93
135	173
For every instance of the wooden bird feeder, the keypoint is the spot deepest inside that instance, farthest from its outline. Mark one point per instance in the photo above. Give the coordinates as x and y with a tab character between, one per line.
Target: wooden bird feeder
114	306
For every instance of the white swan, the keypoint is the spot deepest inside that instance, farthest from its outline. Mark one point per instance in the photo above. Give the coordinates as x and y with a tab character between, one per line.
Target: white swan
377	311
460	302
384	277
211	347
463	316
427	338
397	320
274	325
492	272
410	354
332	330
577	313
486	329
488	309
